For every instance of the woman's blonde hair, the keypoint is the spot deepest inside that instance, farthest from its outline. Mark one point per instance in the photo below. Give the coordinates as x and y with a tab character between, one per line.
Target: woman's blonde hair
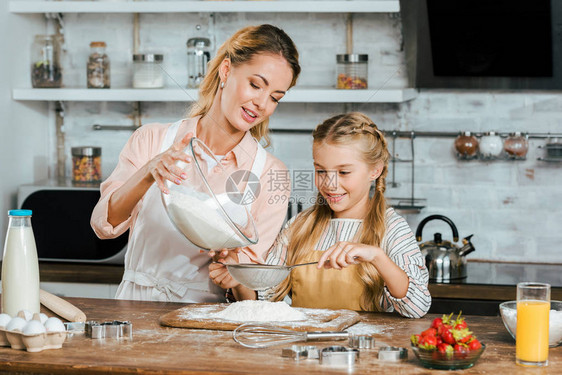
345	129
241	48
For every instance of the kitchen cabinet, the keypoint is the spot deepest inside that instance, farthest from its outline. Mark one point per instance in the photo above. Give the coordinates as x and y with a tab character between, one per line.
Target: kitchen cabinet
156	349
295	95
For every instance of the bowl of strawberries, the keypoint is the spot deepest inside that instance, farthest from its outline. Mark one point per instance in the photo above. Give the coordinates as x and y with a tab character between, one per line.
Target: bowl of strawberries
447	345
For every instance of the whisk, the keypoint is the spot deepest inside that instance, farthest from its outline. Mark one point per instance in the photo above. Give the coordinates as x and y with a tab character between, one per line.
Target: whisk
253	335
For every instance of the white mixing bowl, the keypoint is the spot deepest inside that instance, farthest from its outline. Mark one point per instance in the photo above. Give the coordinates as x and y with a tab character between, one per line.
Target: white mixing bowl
508	312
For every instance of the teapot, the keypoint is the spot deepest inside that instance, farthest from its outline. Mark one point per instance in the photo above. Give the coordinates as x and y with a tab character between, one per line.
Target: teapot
445	261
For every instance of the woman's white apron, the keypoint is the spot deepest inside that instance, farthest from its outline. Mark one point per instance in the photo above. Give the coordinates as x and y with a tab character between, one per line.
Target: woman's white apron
160	263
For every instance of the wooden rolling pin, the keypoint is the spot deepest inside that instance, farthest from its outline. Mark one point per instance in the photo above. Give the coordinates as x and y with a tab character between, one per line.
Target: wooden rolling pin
61	307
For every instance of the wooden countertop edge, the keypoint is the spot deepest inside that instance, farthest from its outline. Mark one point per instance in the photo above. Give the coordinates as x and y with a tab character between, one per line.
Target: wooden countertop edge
481	292
38	368
99	273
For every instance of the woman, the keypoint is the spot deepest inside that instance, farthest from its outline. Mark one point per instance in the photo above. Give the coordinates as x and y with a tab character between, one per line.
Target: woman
252	71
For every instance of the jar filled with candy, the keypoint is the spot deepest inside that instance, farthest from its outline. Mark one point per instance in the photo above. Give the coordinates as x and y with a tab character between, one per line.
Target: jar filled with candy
352	71
86	164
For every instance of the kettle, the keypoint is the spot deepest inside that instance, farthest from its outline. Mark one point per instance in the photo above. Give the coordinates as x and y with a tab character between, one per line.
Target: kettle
445	261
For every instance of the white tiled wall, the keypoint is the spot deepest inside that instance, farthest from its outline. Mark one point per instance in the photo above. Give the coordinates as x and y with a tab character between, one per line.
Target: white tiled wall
512	208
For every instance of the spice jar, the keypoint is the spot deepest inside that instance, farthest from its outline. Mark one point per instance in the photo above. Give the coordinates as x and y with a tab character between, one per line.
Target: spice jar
352	71
147	73
466	145
97	69
198	56
516	145
46	70
491	145
86	164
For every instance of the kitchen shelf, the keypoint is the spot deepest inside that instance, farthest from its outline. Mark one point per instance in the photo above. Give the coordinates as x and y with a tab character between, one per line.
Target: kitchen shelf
295	95
375	6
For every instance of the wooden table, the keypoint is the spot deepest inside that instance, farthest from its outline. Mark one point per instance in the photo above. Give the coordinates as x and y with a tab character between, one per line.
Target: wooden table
156	350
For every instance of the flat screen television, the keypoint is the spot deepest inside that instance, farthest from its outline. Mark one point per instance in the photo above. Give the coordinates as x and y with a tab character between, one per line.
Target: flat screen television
483	44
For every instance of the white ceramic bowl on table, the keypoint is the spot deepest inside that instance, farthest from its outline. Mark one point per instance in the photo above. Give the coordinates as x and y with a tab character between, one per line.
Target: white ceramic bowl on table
508	311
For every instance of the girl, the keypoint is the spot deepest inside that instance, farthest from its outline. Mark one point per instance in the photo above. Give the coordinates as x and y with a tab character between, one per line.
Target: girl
245	82
368	258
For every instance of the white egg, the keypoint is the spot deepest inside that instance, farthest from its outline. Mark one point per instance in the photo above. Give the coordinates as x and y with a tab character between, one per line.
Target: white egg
16	324
54	325
26	314
4	320
33	327
43	318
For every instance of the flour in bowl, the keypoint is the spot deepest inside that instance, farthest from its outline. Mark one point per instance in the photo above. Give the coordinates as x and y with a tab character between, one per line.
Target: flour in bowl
260	311
200	222
555	324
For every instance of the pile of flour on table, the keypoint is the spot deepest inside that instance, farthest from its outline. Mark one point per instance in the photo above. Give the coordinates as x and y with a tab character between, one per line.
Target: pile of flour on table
260	311
201	223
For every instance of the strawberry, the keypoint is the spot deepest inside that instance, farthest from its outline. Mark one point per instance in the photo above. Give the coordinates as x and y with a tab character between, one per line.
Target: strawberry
429	332
474	344
448	338
428	342
444	327
447	318
437	322
445	348
461	350
461	335
459	323
439	340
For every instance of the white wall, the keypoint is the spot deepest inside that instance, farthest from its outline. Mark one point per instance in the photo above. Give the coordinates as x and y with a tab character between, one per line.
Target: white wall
24	142
513	208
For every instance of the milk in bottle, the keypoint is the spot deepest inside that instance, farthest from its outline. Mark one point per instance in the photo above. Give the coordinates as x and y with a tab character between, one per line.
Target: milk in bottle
20	267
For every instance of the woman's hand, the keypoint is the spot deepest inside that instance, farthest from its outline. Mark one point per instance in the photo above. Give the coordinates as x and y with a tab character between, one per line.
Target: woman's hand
163	166
344	254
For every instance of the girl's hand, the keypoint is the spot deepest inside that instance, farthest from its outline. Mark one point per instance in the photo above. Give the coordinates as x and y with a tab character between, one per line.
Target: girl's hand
219	273
222	254
162	167
344	254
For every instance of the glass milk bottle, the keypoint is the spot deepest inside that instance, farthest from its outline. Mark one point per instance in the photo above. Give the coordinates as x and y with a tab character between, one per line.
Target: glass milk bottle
20	267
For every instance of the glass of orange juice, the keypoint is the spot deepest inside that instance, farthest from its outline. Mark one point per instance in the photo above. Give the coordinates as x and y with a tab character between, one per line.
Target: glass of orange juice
533	307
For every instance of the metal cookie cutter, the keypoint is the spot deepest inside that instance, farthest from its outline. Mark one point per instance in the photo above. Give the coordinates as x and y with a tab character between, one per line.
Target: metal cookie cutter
362	341
109	330
298	352
339	356
393	353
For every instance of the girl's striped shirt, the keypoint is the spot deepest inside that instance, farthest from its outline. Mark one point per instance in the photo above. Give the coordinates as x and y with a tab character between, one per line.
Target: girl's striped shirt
398	243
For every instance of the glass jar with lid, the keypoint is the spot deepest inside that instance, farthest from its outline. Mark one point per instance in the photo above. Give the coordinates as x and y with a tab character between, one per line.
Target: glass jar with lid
491	145
516	145
466	145
147	73
86	164
351	71
46	69
97	69
198	55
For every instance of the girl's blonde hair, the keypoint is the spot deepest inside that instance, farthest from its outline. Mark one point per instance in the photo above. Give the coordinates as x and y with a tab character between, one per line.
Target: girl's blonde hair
241	48
346	129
